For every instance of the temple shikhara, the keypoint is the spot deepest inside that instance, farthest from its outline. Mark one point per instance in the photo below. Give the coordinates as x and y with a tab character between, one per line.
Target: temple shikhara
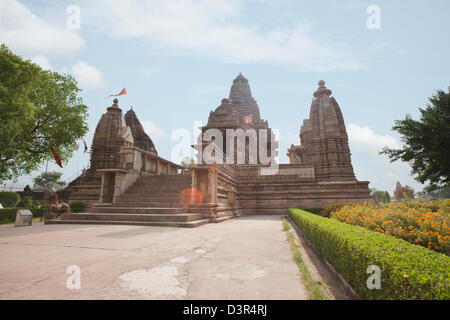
129	183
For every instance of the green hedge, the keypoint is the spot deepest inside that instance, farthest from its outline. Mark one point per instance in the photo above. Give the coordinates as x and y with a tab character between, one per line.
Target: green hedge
9	199
78	206
8	215
316	210
407	271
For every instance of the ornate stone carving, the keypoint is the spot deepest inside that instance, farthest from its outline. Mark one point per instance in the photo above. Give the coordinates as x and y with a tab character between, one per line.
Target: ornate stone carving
324	140
141	139
54	207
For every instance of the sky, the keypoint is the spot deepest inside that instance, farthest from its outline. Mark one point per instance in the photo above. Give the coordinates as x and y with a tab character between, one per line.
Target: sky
177	60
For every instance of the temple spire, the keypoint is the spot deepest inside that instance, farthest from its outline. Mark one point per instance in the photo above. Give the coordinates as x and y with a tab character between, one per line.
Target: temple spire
322	90
240	91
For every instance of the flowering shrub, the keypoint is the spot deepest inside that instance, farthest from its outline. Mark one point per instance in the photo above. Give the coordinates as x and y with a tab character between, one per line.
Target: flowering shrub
328	210
425	224
407	271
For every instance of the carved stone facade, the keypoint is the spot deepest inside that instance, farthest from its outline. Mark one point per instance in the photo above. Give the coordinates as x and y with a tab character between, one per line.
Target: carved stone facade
239	112
320	170
111	134
121	152
129	183
141	139
324	140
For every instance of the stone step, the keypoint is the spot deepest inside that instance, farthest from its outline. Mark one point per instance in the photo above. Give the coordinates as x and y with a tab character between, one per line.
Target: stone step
150	181
166	184
138	210
165	178
145	188
221	219
84	196
180	217
189	224
148	204
150	196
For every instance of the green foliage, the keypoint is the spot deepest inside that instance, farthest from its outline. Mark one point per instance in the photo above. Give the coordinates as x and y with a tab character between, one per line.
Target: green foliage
316	210
26	202
78	206
38	208
188	162
438	194
48	181
8	215
37	108
9	199
426	142
407	271
380	197
328	210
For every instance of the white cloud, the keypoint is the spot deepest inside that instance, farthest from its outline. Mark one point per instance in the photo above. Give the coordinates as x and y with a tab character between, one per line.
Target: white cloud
155	133
364	138
88	76
215	28
368	164
25	33
42	62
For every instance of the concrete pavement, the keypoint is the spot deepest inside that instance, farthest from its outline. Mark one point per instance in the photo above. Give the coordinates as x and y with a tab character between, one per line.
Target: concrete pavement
243	258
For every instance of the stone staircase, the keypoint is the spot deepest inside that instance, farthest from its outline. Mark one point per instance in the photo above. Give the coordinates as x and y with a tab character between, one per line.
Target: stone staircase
88	191
151	201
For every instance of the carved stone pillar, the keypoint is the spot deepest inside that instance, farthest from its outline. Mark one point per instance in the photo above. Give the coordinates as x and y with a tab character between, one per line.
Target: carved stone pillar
212	185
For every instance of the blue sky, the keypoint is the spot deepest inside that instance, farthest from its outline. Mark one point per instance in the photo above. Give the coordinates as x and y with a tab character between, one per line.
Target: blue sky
177	60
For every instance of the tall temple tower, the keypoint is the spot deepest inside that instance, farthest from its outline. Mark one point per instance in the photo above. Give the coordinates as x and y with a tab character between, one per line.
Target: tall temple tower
240	111
324	140
111	134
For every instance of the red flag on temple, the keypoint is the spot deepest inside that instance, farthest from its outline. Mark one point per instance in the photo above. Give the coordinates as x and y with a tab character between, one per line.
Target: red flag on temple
57	158
85	146
124	91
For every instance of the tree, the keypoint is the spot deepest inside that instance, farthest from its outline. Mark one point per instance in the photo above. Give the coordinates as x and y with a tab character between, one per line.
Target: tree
37	108
386	197
380	197
426	142
401	192
48	181
438	194
188	162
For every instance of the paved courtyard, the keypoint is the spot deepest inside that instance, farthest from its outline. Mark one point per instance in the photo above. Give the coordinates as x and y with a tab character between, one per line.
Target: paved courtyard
244	258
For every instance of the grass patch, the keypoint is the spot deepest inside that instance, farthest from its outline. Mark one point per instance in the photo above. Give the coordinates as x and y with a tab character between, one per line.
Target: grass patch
312	286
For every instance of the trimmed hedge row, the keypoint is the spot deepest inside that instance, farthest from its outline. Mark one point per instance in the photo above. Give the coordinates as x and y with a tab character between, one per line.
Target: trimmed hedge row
316	210
407	271
8	215
9	199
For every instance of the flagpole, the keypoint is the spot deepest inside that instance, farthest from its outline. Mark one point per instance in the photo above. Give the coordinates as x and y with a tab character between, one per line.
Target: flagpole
45	180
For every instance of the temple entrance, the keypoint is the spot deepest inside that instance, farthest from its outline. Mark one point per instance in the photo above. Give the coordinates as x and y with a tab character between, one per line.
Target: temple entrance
108	187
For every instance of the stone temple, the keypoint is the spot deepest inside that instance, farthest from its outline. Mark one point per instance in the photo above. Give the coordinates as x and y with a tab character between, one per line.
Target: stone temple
129	183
